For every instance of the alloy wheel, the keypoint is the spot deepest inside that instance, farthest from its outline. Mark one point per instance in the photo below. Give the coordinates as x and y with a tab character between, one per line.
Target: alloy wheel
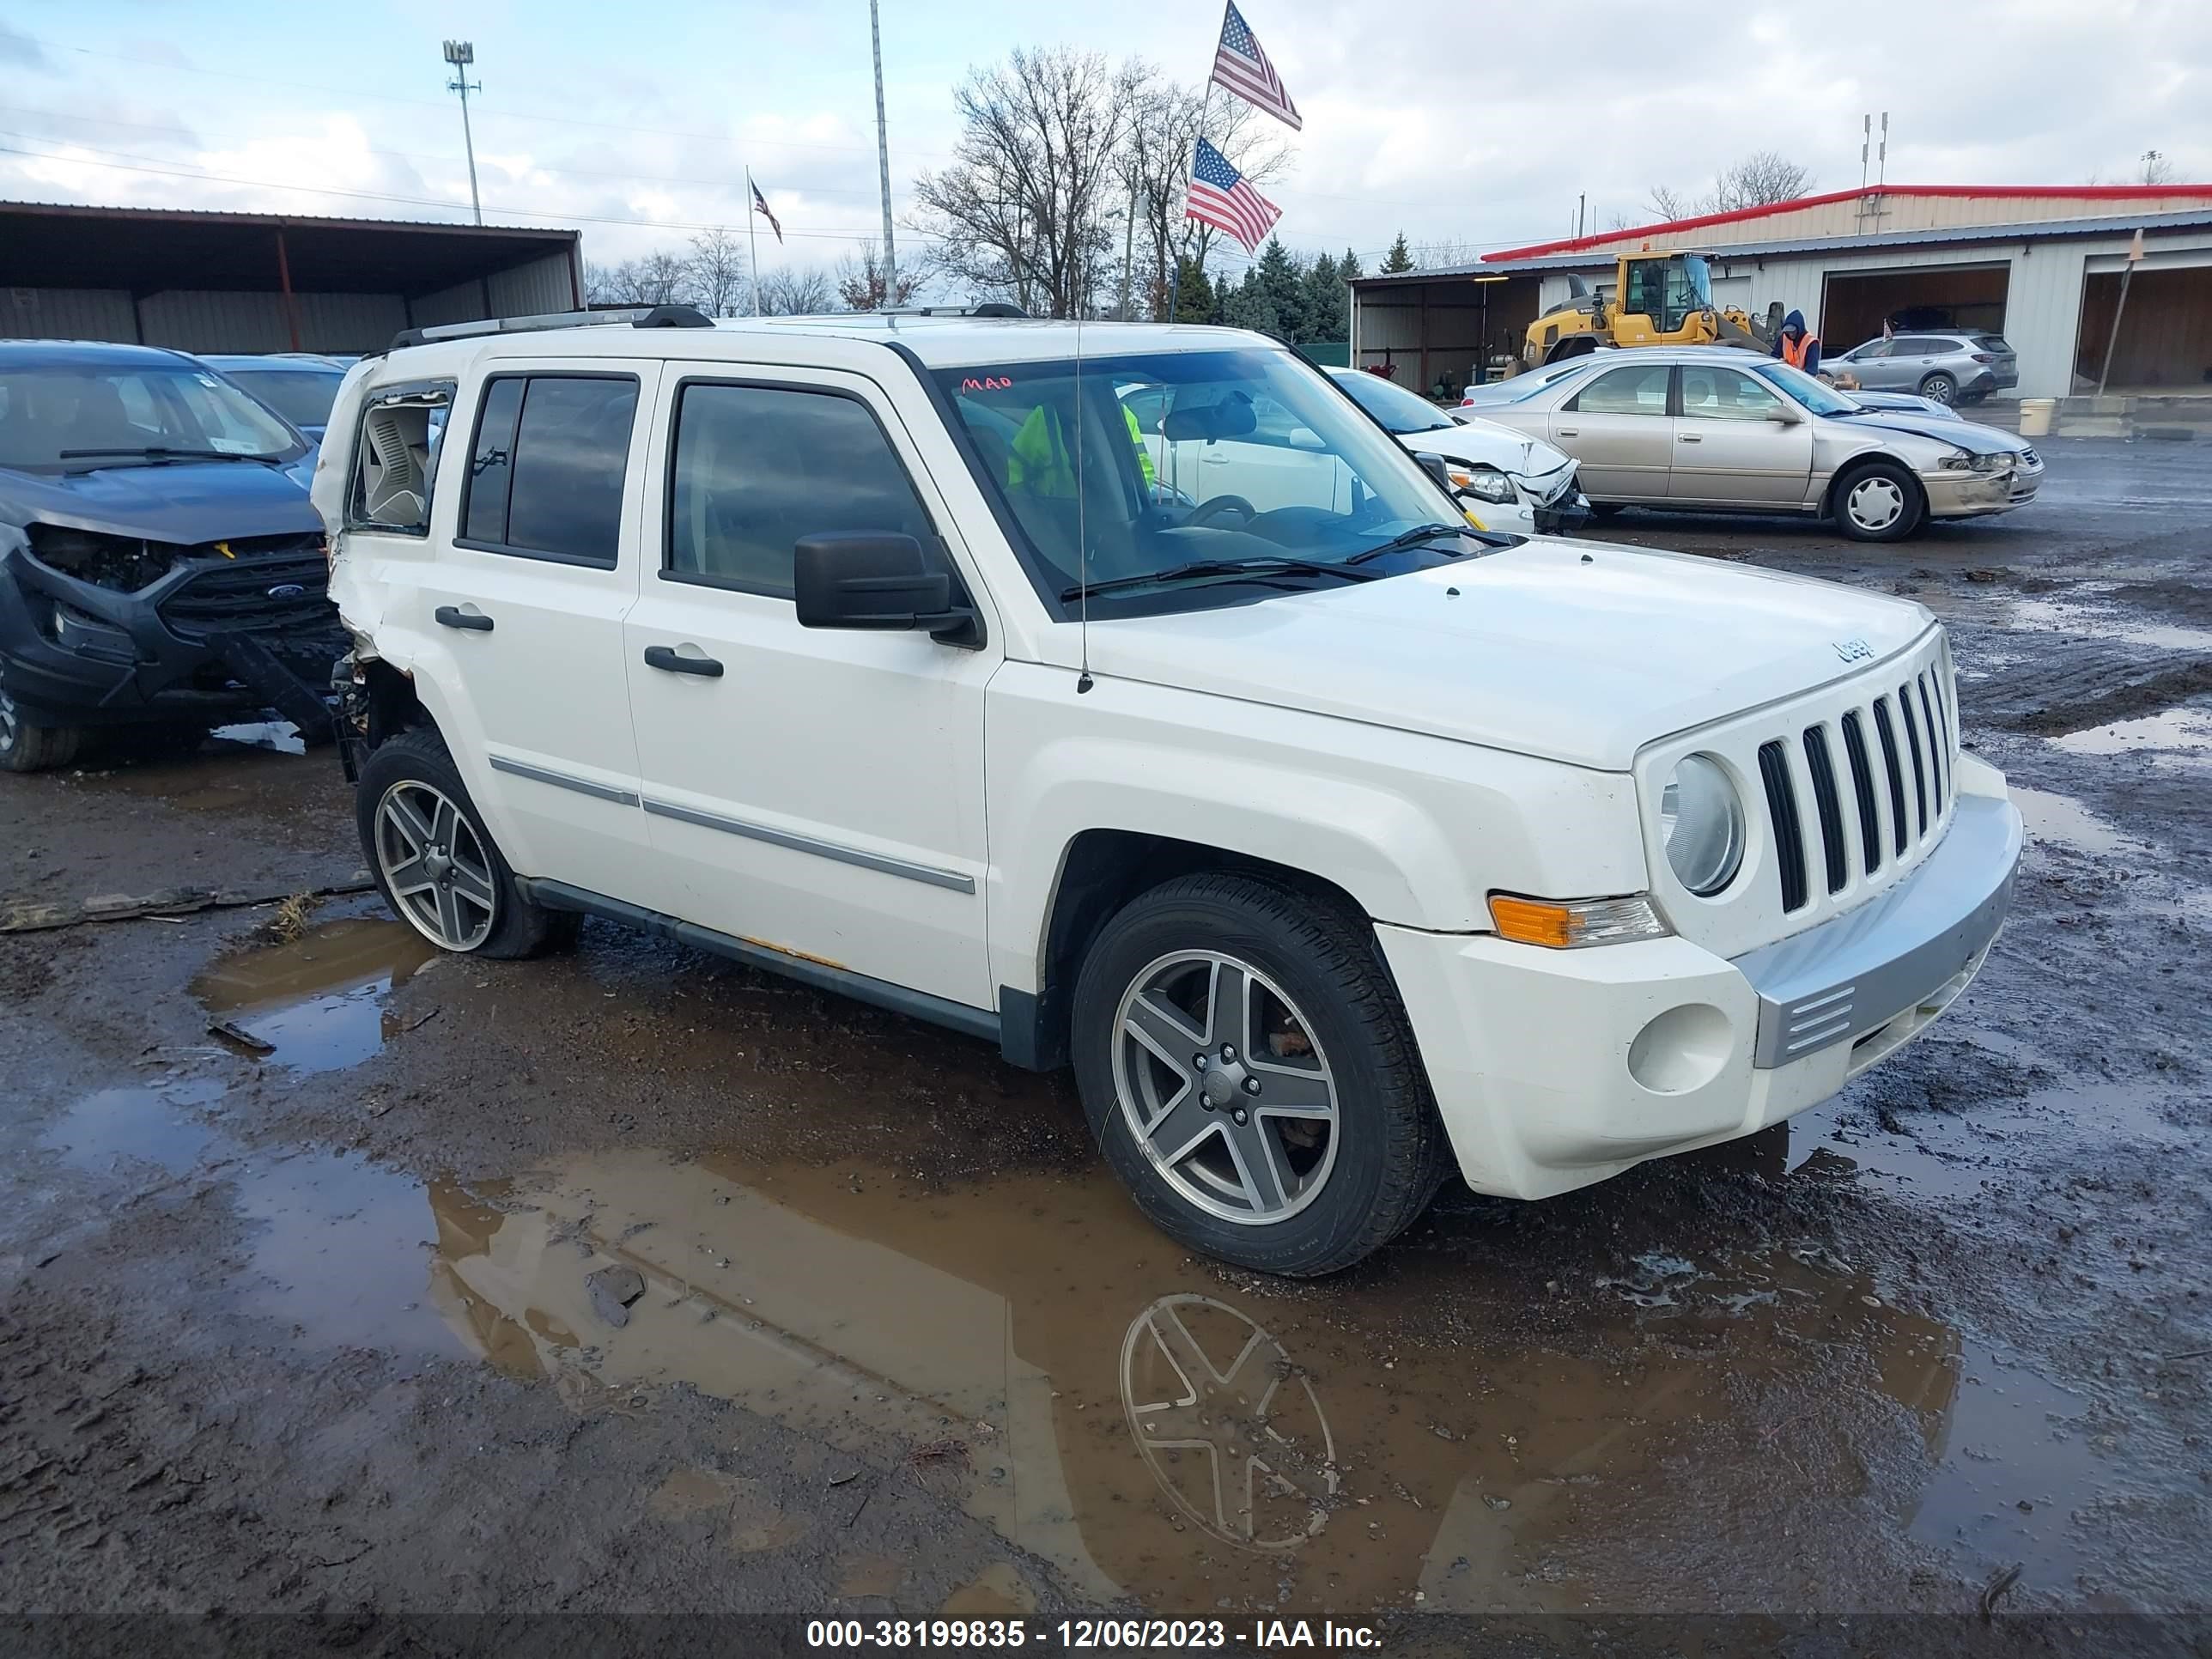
11	724
1224	1086
1876	504
434	865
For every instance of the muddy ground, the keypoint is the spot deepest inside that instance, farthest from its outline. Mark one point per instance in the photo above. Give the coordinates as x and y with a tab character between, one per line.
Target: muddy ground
633	1281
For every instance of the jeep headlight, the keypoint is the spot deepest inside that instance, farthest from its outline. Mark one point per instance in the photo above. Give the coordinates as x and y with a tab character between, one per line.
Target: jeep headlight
1701	824
1483	483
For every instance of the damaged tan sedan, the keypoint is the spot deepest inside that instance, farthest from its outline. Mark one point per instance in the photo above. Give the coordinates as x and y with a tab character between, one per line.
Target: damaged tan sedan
1709	428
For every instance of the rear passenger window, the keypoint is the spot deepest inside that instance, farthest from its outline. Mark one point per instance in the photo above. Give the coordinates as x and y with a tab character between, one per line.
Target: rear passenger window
396	460
757	468
1638	390
545	473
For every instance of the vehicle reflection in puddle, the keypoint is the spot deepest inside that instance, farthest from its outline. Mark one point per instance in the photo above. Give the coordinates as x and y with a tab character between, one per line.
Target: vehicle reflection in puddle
1109	1404
2176	735
319	1001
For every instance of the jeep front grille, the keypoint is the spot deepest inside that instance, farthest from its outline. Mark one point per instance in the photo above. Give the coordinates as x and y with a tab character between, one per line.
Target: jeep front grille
1841	837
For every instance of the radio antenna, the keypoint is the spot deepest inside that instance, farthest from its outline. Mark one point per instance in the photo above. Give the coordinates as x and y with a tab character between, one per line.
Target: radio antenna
1083	681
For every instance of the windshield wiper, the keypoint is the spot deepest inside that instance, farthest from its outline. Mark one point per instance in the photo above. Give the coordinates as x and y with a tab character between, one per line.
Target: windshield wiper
1199	569
1414	537
163	453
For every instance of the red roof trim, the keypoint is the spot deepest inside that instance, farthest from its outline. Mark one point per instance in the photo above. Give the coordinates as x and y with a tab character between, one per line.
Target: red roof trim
2084	192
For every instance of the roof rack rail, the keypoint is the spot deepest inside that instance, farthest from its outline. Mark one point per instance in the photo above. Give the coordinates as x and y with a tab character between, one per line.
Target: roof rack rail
634	316
988	308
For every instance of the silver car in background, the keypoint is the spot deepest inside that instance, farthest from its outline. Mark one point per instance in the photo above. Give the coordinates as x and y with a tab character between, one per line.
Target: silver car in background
1708	428
1946	366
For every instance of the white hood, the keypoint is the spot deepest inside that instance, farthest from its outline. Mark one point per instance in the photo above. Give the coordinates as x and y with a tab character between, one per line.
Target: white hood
1485	443
1527	649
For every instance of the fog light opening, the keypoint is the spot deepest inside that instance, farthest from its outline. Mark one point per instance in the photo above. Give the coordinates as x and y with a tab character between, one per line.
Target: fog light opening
1681	1049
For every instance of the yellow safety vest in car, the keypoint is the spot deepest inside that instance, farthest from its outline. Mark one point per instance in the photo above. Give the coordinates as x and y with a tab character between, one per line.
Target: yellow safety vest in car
1040	463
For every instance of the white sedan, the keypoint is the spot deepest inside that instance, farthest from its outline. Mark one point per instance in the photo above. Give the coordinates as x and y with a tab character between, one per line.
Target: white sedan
1507	480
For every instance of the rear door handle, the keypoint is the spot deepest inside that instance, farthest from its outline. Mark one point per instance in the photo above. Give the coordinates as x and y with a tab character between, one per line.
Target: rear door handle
1687	438
453	616
1570	432
666	658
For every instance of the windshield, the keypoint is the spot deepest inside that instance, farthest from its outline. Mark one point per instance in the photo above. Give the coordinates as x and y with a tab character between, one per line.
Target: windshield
1700	277
1399	411
1188	457
1816	395
301	395
70	418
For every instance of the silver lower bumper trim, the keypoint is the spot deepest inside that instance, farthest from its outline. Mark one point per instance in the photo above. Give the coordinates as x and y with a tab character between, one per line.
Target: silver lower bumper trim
1836	982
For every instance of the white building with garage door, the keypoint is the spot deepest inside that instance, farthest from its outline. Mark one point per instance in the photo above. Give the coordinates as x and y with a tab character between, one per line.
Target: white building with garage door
2040	264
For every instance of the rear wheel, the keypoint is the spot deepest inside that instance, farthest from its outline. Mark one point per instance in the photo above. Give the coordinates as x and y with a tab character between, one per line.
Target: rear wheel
1939	388
435	863
1247	1070
1879	502
28	745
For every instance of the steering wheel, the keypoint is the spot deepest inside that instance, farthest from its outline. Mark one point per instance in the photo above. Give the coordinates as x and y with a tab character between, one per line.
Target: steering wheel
1209	509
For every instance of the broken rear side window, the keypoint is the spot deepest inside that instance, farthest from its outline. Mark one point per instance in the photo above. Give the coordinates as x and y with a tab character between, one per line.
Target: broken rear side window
396	460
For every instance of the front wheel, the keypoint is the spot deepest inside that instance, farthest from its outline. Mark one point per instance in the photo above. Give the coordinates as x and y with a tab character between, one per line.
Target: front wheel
435	863
1879	502
1247	1070
26	745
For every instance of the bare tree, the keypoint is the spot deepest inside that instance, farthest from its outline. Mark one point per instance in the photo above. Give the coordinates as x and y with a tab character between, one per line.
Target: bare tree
1155	161
599	285
1022	210
717	268
864	282
794	291
2156	169
1759	179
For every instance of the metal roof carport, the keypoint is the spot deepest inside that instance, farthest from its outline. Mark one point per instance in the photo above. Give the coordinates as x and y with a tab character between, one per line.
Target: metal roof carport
253	282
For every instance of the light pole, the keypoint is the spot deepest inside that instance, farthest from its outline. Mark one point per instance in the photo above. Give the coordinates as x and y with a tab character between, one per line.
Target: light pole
884	161
460	54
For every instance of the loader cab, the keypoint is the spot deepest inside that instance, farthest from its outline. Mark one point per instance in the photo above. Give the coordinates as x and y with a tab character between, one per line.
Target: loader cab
1659	295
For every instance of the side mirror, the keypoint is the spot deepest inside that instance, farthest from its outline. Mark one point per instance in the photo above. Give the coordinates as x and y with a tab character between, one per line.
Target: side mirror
1305	437
1786	417
876	579
1437	468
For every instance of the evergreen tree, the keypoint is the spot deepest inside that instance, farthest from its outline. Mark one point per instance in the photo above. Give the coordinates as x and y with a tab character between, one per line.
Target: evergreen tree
1249	305
1348	267
1195	297
1283	285
1324	313
1398	258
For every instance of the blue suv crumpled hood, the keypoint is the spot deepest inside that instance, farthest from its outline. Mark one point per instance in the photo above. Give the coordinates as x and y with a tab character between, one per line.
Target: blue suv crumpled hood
187	502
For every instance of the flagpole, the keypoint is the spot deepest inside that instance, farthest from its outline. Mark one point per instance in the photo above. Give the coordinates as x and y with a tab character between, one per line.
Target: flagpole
1175	269
752	234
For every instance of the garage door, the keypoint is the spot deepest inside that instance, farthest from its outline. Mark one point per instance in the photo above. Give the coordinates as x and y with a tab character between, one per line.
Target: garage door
1854	305
2166	329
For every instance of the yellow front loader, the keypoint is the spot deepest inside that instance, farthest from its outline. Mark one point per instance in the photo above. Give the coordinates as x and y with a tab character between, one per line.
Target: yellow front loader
1657	298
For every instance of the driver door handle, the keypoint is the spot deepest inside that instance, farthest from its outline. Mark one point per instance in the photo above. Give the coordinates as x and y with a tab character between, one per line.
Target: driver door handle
1688	438
1569	432
449	616
668	659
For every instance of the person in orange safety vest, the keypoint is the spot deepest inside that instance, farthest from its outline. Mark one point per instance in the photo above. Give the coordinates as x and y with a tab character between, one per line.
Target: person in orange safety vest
1797	345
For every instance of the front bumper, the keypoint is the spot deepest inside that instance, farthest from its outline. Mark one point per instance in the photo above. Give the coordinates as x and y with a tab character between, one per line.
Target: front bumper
1970	495
130	666
1555	1069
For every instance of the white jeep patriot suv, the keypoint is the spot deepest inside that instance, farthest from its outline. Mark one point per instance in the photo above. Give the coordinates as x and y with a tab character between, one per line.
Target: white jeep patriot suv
1195	739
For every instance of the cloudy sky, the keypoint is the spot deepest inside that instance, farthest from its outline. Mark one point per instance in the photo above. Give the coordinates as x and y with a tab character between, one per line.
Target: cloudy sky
1426	116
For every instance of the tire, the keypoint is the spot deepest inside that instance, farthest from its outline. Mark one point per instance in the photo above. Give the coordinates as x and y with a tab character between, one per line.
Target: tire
28	746
1939	388
1361	1176
475	908
1878	501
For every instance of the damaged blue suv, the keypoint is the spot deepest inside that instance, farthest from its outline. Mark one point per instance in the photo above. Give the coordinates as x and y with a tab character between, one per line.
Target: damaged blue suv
160	566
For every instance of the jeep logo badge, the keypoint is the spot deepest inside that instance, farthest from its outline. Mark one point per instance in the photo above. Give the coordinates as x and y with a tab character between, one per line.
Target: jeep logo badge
293	591
1853	650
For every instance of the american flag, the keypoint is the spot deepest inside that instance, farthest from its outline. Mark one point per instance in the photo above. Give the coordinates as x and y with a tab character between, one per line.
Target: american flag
760	206
1220	197
1241	67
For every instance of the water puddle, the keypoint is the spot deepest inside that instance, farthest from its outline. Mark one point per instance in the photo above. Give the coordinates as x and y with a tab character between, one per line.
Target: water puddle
110	1129
2065	820
2052	616
2178	735
319	1001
